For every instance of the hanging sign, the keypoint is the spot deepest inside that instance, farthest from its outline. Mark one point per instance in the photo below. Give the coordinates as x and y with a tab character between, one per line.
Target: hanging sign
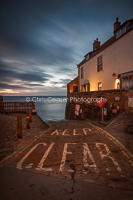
117	98
77	109
105	111
130	102
114	110
101	102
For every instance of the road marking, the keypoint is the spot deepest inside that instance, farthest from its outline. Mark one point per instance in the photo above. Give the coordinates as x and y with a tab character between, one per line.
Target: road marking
107	156
65	152
40	165
84	130
22	149
124	150
19	165
74	132
64	132
86	151
55	132
29	166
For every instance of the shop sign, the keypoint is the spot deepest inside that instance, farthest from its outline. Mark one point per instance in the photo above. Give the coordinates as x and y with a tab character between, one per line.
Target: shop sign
114	110
101	102
105	111
117	98
130	102
77	109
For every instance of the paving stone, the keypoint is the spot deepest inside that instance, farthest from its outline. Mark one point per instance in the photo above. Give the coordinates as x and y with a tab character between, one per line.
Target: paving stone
81	158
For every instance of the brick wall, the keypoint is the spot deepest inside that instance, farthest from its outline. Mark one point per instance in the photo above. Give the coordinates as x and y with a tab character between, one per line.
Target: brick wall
70	85
89	106
1	98
128	94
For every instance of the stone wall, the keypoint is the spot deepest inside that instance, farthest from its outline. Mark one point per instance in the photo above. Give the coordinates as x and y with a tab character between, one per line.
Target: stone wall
1	98
127	103
89	108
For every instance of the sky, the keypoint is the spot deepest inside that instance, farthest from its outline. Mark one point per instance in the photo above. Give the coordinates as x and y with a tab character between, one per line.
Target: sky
42	41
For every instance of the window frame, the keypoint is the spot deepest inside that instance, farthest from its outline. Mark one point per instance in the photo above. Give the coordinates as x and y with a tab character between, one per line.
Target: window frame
75	88
82	72
100	63
100	87
121	32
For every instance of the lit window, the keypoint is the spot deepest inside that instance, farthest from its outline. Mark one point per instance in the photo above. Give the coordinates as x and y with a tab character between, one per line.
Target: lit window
81	72
99	86
87	88
99	63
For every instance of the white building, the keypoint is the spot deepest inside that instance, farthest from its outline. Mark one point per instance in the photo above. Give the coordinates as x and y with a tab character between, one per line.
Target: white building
110	65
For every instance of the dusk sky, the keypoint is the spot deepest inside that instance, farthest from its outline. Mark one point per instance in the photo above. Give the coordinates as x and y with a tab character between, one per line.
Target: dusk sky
42	41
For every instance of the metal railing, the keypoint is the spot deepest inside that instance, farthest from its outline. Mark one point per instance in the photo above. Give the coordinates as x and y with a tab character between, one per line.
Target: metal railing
15	107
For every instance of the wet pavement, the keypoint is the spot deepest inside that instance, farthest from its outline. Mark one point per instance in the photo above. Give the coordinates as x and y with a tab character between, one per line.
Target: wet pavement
118	128
77	151
21	185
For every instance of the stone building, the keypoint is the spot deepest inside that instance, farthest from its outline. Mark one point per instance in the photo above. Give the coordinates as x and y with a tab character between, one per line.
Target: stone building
110	65
105	72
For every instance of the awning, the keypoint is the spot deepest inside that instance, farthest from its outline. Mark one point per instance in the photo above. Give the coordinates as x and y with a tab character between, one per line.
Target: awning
126	74
86	82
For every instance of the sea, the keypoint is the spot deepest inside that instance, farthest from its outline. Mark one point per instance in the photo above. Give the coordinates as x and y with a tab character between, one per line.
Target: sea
49	108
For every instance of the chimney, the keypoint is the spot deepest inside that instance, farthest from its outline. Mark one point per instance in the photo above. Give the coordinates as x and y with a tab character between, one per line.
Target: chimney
96	44
116	24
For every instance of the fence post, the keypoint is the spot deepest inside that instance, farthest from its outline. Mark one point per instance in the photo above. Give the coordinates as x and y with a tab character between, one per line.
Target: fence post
33	105
19	126
30	115
102	115
27	119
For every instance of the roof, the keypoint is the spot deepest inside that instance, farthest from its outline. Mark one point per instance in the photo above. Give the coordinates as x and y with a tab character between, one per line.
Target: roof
73	80
128	21
104	45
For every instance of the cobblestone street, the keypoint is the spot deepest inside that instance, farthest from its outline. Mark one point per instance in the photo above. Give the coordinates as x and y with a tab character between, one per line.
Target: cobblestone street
77	151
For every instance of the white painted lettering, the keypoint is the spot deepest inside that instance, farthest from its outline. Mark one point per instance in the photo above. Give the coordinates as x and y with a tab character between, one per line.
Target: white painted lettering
55	132
74	132
107	156
64	156
64	132
19	165
40	165
86	151
85	130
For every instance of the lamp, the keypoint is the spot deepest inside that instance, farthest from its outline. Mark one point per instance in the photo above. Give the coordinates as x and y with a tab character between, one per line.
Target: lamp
113	74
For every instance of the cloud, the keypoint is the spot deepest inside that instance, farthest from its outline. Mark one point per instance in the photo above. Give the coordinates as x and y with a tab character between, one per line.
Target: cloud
7	86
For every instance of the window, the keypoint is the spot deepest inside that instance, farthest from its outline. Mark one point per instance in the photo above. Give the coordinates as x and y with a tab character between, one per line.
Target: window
99	86
87	88
87	57
121	32
118	34
99	63
75	88
81	72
